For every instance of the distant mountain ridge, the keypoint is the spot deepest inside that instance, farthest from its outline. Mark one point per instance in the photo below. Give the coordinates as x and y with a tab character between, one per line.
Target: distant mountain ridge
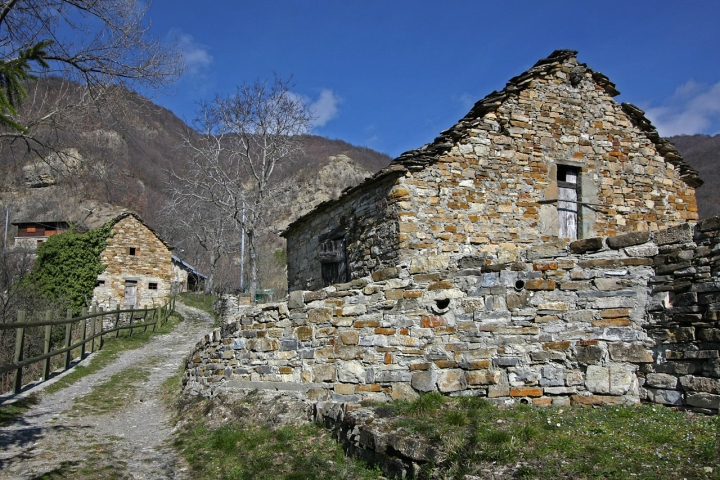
703	153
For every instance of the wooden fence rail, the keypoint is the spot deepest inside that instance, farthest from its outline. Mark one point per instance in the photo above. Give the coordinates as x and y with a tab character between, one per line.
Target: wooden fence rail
158	316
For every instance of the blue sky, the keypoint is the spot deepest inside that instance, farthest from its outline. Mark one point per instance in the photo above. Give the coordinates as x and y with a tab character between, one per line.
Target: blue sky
391	75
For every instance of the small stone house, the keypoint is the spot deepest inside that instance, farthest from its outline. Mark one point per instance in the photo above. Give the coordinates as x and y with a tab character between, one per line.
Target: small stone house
139	269
551	156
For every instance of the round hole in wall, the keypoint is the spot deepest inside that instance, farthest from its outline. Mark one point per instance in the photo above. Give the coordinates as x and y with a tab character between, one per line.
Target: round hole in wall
443	303
519	284
524	400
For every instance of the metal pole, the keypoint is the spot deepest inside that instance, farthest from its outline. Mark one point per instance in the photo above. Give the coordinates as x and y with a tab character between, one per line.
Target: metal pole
242	250
7	219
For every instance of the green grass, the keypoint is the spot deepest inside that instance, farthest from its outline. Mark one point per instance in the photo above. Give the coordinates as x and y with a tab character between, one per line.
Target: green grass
241	449
114	394
11	412
645	442
201	302
112	347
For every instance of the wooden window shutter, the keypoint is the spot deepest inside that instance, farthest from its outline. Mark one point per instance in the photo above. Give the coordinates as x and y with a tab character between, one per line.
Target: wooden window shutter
568	211
333	261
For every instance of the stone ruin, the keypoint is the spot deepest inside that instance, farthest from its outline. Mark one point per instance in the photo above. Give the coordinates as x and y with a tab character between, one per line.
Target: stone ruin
614	320
543	250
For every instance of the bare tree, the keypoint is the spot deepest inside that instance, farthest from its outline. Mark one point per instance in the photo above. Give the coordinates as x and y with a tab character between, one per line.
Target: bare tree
243	139
196	225
89	45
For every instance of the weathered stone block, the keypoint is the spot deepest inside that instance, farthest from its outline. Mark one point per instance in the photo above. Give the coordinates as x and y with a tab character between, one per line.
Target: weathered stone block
703	400
661	380
667	397
526	392
590	400
451	381
540	284
350	372
403	392
319	315
424	381
304	332
263	344
554	249
385	274
628	240
680	234
700	384
325	373
586	245
633	353
296	300
482	377
349	337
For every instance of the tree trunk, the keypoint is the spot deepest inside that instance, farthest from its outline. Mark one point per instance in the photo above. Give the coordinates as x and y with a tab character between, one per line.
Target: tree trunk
253	264
214	257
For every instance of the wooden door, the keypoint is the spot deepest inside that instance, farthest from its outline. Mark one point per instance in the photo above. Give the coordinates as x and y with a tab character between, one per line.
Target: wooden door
130	294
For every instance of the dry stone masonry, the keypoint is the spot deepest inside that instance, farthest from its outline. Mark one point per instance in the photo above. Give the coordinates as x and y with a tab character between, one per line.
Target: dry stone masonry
492	183
609	320
541	251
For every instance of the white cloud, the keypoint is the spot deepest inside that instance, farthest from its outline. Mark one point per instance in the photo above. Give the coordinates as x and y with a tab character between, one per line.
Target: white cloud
325	108
196	55
693	108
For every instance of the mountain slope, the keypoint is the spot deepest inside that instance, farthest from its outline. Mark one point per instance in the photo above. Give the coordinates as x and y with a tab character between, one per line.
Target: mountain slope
703	153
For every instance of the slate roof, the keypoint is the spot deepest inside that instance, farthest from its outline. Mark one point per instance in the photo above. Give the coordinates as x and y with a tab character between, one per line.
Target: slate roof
414	160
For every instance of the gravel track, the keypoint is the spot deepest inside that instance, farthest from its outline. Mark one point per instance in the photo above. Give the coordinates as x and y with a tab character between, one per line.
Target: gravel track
131	441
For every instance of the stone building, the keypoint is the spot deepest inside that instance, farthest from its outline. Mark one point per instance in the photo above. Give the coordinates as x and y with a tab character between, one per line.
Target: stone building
32	234
550	156
139	269
543	251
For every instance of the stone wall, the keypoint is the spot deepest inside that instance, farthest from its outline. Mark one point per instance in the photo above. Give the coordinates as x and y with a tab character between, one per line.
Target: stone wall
495	188
563	323
151	263
365	220
684	321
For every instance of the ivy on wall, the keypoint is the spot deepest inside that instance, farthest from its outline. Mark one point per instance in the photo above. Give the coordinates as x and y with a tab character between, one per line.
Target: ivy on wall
68	265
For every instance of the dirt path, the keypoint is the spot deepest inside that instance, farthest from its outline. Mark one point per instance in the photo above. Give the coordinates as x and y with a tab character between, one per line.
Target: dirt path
79	433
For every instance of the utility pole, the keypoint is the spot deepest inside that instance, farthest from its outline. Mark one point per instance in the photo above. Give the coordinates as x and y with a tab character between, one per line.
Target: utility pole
242	250
7	219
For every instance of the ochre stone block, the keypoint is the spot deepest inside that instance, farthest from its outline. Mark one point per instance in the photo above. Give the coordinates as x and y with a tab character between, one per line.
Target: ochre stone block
526	392
431	321
539	284
612	322
373	387
556	345
349	337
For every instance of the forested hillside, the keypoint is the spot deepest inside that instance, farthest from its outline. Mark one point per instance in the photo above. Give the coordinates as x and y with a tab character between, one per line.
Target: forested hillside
703	153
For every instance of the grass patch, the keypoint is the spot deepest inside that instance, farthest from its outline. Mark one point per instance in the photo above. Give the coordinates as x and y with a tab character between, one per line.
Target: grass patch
646	442
243	448
201	302
113	394
13	411
112	347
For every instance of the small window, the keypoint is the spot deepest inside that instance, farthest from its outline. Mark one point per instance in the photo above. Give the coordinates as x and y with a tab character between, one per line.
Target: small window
39	241
333	262
152	286
100	283
132	250
568	201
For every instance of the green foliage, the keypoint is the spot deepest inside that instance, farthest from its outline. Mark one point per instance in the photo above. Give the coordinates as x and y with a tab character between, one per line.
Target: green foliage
13	73
68	265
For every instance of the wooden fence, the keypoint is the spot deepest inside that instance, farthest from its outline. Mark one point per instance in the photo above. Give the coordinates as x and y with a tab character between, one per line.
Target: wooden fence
157	316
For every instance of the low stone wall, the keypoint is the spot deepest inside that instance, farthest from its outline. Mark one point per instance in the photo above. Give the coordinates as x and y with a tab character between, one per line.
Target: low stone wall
597	321
683	319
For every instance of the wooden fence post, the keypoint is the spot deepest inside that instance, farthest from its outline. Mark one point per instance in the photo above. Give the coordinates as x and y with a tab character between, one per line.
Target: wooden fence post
144	320
102	325
19	337
154	318
117	321
84	336
68	332
132	314
46	349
